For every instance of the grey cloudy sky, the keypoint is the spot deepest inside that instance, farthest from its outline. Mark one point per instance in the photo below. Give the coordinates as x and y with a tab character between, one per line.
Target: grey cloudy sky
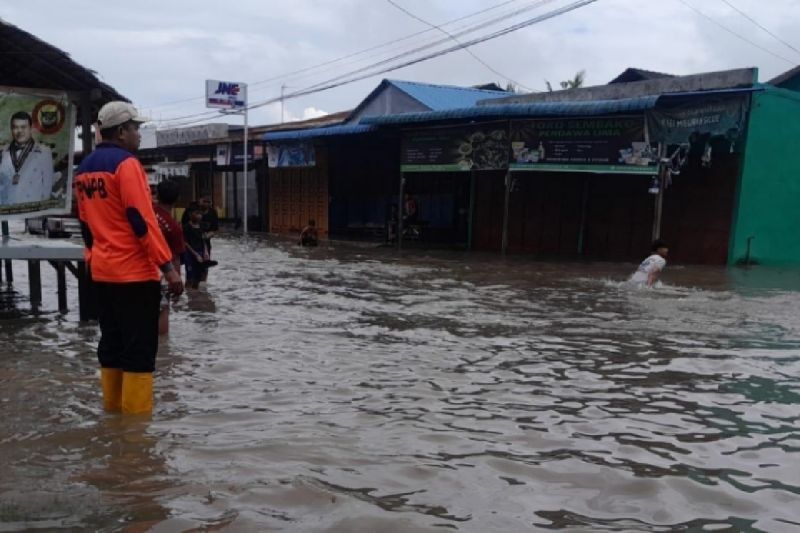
157	52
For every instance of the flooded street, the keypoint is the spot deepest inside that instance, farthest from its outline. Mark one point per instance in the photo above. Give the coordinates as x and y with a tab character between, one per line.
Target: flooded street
352	389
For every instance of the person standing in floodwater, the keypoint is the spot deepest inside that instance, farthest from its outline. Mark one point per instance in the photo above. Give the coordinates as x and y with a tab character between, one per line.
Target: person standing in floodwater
648	272
209	223
196	256
167	193
127	255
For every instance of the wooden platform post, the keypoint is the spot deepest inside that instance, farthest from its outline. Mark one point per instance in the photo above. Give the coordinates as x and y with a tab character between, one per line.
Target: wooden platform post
9	270
35	283
61	277
86	295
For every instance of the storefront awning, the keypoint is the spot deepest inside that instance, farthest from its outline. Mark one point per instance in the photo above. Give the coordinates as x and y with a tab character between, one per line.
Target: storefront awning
330	131
639	104
539	109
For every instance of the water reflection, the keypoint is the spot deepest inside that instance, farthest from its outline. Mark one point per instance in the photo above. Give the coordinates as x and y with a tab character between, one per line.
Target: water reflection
347	389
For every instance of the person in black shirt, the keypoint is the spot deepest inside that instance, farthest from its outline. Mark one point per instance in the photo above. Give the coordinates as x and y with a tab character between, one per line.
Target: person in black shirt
196	256
210	225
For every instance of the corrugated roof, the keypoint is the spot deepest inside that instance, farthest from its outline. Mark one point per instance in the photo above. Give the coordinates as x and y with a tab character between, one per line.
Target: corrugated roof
442	97
541	109
330	131
27	61
435	97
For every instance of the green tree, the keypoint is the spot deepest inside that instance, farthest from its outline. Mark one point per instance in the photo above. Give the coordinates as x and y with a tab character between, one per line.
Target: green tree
574	83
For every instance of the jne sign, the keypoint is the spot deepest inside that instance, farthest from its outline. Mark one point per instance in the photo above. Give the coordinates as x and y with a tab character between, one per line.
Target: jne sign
226	94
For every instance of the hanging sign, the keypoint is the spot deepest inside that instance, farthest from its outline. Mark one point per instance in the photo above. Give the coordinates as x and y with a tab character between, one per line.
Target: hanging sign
601	145
36	152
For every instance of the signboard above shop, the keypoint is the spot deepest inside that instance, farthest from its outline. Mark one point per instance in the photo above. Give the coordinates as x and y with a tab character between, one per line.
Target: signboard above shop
460	149
191	134
162	171
226	94
686	121
602	145
291	154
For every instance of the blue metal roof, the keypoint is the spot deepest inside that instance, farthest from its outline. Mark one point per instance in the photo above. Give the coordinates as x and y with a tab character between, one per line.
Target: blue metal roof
329	131
544	109
539	109
442	97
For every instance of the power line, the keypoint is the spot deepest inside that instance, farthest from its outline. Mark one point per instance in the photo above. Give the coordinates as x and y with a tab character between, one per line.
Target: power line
338	82
742	37
470	52
754	21
529	22
351	55
461	33
408	53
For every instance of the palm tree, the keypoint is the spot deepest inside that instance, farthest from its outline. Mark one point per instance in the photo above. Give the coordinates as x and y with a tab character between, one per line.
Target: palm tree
574	83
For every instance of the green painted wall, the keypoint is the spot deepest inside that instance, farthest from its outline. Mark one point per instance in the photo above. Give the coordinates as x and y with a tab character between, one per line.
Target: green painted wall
769	190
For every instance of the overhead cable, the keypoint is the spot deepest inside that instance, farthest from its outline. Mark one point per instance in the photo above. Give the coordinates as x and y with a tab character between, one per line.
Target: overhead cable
470	52
359	75
754	21
732	32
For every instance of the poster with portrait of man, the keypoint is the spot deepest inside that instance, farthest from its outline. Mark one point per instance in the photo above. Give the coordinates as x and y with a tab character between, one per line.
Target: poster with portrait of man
36	152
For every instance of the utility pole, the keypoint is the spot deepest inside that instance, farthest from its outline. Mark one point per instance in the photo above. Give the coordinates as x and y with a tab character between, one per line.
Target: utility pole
283	90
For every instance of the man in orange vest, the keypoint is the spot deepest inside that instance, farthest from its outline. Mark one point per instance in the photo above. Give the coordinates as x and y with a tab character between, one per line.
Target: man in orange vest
127	255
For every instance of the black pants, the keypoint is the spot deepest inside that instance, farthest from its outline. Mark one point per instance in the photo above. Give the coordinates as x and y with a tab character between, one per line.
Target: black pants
128	325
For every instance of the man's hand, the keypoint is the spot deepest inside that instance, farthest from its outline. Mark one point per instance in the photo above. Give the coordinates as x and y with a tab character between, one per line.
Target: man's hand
174	282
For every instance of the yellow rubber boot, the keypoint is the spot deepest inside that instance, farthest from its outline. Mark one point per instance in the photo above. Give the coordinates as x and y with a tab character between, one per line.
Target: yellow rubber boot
111	382
137	393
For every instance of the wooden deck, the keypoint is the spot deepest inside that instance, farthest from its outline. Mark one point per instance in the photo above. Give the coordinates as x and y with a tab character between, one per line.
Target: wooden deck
62	256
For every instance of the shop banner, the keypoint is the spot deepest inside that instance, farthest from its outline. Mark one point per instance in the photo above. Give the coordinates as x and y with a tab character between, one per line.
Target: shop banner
482	147
36	151
689	121
601	145
284	155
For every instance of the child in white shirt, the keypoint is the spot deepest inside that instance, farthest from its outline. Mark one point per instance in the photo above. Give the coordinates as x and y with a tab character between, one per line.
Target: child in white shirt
647	273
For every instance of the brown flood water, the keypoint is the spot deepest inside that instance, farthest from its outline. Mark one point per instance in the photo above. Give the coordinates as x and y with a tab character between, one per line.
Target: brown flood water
345	389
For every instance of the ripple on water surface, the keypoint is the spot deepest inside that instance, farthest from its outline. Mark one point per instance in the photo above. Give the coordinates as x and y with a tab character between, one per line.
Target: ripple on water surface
348	390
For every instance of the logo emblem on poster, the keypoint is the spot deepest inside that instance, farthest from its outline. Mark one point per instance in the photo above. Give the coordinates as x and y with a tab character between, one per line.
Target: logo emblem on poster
48	116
